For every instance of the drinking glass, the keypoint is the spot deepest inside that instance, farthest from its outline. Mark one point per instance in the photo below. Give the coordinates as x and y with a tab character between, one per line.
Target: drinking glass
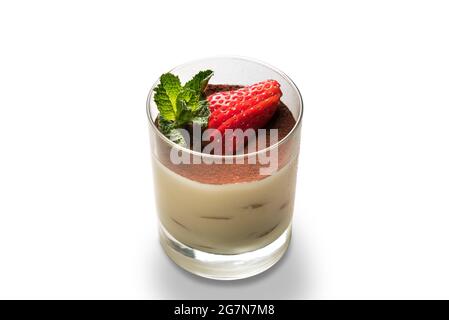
220	216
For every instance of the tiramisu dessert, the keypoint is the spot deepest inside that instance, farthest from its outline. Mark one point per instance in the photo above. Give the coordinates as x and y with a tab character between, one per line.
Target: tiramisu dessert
221	194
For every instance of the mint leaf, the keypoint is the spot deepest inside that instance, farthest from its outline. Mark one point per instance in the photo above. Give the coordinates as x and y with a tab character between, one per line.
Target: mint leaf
184	113
201	121
172	86
180	106
199	81
202	109
189	106
198	84
169	130
185	95
177	137
165	95
164	125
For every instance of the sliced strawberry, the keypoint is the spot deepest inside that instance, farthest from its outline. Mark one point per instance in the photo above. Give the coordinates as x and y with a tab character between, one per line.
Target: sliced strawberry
244	108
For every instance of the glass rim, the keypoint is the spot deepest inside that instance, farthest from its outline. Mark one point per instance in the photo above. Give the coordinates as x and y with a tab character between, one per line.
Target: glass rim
236	156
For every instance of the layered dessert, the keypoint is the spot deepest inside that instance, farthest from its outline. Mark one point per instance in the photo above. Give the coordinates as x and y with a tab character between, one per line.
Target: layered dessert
223	207
227	218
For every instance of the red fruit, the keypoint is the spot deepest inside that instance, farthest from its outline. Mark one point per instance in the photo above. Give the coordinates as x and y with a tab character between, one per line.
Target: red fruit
248	107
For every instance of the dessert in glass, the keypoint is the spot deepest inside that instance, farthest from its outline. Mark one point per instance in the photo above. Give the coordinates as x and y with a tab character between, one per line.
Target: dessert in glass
225	134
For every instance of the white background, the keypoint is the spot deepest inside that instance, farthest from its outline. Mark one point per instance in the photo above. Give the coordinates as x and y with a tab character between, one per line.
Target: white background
77	215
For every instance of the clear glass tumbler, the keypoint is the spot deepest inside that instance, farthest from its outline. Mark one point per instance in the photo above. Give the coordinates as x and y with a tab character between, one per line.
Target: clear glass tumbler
221	217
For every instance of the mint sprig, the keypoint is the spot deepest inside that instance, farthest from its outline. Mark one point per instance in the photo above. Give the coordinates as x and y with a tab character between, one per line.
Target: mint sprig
179	105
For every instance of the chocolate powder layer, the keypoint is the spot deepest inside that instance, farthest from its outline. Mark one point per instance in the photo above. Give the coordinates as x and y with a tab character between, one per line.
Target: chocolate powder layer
282	120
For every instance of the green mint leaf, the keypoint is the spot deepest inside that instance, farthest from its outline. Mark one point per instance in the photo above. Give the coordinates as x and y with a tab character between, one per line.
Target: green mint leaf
199	81
172	86
198	104
180	106
176	136
193	102
201	121
185	95
165	125
169	130
201	113
165	95
184	113
202	109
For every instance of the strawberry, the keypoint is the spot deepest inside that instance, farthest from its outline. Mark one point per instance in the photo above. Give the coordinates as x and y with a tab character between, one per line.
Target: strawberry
244	108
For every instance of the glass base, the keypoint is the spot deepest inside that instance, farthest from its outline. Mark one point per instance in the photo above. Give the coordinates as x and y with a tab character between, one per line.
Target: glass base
224	267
